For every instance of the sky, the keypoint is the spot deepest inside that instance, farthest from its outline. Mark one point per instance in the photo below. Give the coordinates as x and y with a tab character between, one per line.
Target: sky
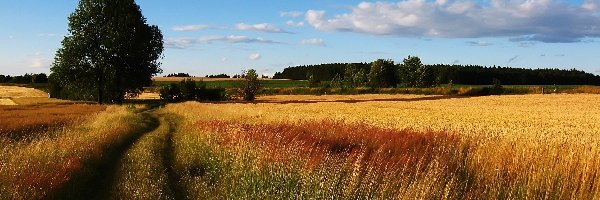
228	36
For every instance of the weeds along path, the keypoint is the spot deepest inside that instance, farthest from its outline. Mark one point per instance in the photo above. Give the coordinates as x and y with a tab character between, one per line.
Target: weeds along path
144	170
98	176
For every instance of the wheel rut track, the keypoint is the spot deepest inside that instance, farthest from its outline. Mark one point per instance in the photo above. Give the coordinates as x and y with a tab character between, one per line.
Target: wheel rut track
99	179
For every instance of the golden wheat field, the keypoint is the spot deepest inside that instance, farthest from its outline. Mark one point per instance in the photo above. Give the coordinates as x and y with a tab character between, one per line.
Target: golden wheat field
19	92
311	147
522	146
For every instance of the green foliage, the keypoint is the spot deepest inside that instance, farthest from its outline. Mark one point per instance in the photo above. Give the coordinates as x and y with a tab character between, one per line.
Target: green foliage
383	74
439	74
171	93
24	79
313	81
190	90
250	85
413	73
110	51
355	76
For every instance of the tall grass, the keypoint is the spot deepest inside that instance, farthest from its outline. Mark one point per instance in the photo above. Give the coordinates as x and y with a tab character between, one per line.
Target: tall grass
497	147
49	166
142	172
315	159
25	122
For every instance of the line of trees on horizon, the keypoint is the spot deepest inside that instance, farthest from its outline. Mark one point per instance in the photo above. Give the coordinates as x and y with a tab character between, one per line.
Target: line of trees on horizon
24	79
412	73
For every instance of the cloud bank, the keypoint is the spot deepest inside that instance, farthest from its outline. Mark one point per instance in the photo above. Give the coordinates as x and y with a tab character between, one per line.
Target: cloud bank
190	28
549	21
264	27
313	41
182	43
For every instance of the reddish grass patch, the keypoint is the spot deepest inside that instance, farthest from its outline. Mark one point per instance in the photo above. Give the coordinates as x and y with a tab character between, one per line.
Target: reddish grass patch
318	140
22	122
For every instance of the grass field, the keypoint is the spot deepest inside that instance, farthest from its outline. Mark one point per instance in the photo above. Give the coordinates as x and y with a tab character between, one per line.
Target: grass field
318	147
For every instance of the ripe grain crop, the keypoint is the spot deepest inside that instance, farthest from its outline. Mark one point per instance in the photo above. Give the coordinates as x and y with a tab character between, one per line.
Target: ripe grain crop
18	92
527	146
26	122
58	164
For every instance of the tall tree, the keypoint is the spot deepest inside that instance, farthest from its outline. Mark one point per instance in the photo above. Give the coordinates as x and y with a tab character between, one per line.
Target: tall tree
383	74
413	73
110	51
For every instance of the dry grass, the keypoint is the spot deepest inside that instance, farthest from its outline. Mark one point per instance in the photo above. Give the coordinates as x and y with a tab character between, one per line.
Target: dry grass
38	169
527	146
7	102
22	122
19	92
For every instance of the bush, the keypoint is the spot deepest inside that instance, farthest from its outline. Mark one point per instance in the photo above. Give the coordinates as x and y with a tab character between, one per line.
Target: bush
190	90
171	93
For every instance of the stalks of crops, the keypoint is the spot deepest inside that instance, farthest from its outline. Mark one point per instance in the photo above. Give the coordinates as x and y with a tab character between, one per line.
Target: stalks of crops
27	122
529	146
142	172
41	168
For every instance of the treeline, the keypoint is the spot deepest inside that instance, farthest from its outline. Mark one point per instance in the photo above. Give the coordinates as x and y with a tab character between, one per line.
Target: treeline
218	76
24	79
178	75
406	74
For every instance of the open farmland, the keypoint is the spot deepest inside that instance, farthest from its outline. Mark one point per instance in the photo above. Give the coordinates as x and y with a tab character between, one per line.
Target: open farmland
317	147
530	146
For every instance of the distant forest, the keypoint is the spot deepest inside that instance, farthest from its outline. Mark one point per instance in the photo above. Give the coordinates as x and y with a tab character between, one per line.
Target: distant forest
456	74
24	79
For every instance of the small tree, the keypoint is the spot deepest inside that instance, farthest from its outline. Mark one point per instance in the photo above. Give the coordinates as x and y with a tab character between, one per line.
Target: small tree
250	85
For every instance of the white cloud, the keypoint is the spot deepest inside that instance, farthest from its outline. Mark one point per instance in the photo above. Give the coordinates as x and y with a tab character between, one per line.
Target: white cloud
527	20
264	27
47	34
11	37
480	43
190	28
293	23
186	42
179	43
38	60
590	5
234	39
291	14
223	59
313	41
254	56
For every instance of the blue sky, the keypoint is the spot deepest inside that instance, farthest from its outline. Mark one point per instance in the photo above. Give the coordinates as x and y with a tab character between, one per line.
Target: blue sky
226	36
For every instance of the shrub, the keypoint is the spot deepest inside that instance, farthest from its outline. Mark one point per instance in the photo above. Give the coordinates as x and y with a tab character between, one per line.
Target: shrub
171	93
250	85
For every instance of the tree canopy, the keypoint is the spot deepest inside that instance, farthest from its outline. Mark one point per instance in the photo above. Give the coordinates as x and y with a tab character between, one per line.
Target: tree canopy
110	52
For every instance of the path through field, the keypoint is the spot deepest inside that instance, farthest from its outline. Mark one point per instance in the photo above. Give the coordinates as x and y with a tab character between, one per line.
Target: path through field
139	168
